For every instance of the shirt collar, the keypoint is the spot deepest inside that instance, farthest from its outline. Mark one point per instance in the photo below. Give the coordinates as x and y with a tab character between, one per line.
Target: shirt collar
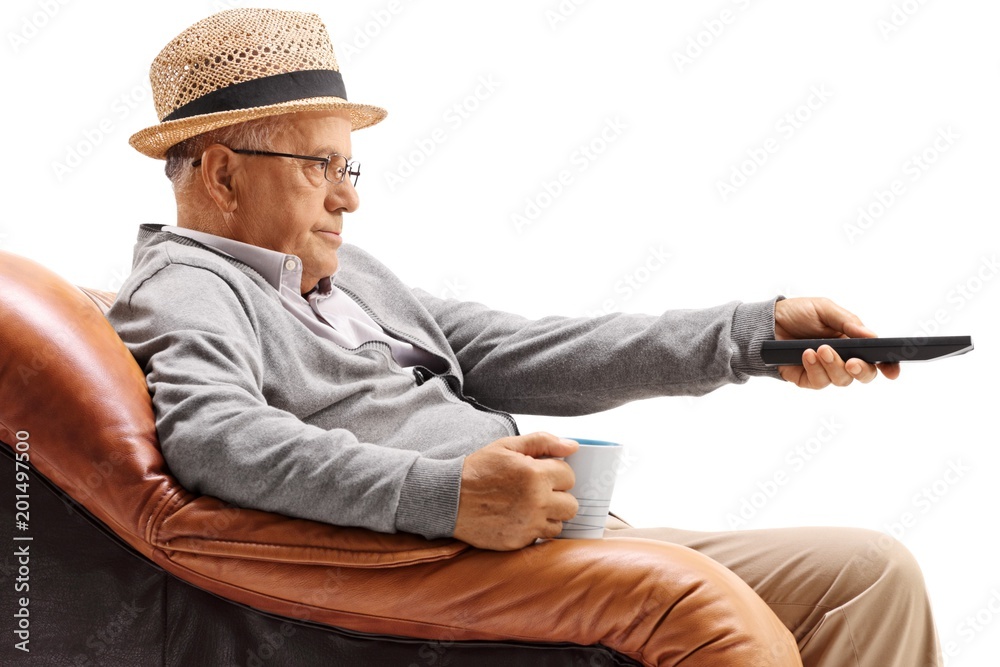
277	268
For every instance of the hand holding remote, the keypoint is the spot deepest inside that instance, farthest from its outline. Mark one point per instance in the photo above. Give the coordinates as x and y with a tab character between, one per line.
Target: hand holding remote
818	317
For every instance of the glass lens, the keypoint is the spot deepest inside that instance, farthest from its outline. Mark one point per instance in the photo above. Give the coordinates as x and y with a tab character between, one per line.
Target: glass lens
336	168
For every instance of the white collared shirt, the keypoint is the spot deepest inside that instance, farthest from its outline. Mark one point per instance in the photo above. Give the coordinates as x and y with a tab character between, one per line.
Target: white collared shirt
326	310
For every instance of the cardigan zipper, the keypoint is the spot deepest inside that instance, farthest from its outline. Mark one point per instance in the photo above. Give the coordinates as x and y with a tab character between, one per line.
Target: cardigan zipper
422	373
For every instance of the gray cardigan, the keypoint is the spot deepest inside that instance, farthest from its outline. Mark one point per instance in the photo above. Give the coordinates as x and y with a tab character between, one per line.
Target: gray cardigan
253	408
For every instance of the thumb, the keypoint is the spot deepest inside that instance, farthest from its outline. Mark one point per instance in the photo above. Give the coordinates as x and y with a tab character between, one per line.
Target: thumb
855	329
842	320
540	443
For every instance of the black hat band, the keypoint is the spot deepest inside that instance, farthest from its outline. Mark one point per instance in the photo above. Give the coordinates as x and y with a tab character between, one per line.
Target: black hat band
265	91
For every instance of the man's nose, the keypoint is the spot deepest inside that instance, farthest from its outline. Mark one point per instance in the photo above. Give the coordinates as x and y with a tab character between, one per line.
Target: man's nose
342	197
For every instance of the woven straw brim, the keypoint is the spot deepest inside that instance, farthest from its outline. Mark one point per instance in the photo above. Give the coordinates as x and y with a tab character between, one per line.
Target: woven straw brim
154	141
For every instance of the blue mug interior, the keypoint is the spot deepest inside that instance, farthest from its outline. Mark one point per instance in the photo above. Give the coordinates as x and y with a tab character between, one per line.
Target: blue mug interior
585	441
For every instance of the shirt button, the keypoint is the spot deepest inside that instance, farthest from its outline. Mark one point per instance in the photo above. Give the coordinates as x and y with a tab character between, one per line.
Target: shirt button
290	264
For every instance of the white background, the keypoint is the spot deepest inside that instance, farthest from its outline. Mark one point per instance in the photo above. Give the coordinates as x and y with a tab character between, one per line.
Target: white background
74	192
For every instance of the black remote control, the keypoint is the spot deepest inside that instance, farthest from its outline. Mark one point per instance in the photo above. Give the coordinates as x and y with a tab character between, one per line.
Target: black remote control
872	350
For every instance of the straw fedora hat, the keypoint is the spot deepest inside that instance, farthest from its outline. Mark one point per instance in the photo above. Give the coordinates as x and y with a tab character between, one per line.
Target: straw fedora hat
242	64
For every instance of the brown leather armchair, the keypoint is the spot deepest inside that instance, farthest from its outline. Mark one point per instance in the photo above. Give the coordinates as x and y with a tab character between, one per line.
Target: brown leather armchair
126	567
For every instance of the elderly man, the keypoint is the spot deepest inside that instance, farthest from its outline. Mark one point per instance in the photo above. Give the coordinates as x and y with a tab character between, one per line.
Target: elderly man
294	373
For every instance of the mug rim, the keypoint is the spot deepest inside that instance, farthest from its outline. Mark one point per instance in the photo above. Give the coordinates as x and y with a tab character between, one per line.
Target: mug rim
596	443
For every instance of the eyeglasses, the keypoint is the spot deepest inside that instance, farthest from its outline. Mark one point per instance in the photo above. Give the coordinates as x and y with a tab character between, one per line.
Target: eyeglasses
342	167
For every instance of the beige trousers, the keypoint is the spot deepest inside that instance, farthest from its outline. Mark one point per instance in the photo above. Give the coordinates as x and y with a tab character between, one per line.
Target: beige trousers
850	597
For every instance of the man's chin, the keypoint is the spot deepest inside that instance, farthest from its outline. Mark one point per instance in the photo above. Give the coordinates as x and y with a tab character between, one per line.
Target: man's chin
330	266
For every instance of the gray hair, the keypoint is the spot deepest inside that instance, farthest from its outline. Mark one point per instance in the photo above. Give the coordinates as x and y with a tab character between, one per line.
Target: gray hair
253	134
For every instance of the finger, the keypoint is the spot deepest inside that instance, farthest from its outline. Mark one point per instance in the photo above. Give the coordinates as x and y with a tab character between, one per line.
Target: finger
552	528
855	329
564	507
558	474
860	370
815	376
540	444
890	371
834	366
791	373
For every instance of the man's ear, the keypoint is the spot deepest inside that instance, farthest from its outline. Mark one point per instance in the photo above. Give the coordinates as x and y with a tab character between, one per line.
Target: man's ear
217	166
